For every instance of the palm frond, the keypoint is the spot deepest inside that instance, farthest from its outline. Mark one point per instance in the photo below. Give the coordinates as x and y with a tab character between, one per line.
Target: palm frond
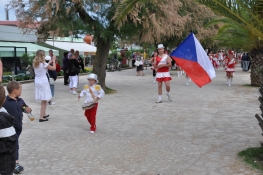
240	11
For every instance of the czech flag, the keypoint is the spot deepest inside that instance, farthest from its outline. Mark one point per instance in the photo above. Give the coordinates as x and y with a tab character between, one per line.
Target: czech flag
193	59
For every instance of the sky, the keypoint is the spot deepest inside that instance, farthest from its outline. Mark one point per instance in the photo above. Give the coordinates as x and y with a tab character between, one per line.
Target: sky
2	11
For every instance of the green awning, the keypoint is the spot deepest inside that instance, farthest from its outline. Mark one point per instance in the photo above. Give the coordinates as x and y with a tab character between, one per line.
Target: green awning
8	49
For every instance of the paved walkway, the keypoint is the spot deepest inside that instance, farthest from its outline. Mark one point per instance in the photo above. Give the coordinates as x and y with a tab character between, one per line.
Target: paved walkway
198	133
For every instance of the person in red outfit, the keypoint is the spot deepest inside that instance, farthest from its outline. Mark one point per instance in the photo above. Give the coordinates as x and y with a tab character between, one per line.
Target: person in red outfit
230	62
93	93
163	63
58	68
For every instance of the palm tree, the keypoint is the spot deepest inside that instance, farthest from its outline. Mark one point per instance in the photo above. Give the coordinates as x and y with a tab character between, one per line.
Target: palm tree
242	28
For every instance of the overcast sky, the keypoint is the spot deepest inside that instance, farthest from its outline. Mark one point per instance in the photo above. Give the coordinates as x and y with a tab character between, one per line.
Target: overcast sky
2	11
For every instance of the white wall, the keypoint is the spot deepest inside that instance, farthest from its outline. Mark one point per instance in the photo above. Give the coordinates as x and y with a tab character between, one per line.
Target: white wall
11	33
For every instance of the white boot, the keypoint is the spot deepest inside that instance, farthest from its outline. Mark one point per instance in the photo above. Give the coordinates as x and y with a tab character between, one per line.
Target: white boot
154	79
187	81
229	82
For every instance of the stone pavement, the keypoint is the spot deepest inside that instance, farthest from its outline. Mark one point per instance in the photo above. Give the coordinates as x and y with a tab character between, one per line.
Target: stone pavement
198	133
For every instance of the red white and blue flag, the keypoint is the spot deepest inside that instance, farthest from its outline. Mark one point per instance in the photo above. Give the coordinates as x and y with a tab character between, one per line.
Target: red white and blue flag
192	58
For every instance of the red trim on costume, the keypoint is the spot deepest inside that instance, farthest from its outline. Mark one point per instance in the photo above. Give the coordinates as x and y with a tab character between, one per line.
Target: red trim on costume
163	79
162	69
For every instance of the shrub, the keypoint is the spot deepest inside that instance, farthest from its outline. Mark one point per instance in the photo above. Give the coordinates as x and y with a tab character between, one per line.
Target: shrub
26	77
120	59
125	65
59	73
18	78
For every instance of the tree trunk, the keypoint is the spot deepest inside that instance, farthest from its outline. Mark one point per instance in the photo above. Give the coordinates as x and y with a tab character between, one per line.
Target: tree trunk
99	66
256	58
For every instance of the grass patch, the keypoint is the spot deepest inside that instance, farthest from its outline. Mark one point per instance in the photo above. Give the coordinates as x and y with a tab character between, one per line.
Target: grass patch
7	73
110	91
88	69
249	85
253	157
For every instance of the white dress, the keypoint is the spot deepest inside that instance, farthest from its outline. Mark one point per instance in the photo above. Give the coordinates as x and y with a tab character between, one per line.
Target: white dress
42	87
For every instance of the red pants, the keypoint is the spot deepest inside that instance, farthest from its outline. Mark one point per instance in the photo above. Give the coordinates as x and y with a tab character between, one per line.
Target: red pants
91	117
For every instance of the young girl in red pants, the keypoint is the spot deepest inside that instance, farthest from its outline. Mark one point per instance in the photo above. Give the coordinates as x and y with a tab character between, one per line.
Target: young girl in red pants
93	93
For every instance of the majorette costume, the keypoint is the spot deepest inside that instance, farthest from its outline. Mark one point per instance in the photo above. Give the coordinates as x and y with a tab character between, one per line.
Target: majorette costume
215	61
229	67
230	64
91	92
163	73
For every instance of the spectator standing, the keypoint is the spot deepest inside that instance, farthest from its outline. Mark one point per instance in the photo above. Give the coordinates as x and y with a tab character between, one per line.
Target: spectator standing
80	60
52	77
42	88
139	66
15	106
7	139
58	68
70	53
152	60
73	73
52	55
133	59
65	62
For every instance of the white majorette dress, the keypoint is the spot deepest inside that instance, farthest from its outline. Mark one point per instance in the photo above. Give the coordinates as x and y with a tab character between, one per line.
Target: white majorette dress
163	73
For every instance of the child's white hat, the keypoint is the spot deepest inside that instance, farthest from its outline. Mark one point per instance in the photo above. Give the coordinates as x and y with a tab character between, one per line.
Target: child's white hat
93	76
47	58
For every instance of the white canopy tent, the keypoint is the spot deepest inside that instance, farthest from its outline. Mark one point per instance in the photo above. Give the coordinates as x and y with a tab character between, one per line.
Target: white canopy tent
7	49
81	47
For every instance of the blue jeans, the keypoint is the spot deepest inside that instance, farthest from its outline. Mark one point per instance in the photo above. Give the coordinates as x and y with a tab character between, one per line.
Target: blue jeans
52	88
17	144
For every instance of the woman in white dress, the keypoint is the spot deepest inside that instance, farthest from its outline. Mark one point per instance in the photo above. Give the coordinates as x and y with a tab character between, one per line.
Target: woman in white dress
42	88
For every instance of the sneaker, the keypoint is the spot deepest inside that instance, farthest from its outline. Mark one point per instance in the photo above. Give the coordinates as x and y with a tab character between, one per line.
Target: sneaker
74	93
169	96
92	132
18	169
159	101
51	103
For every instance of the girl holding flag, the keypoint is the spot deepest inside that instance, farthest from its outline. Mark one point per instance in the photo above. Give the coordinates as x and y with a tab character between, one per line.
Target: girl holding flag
163	63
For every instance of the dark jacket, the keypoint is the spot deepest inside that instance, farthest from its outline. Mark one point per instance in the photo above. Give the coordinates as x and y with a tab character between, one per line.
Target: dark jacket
7	144
65	64
81	63
15	109
71	63
52	73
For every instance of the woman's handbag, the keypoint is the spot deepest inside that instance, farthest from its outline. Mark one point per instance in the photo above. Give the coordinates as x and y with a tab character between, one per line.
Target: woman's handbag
137	63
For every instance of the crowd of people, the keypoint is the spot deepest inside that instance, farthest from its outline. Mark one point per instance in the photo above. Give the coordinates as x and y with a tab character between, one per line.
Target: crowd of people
12	106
